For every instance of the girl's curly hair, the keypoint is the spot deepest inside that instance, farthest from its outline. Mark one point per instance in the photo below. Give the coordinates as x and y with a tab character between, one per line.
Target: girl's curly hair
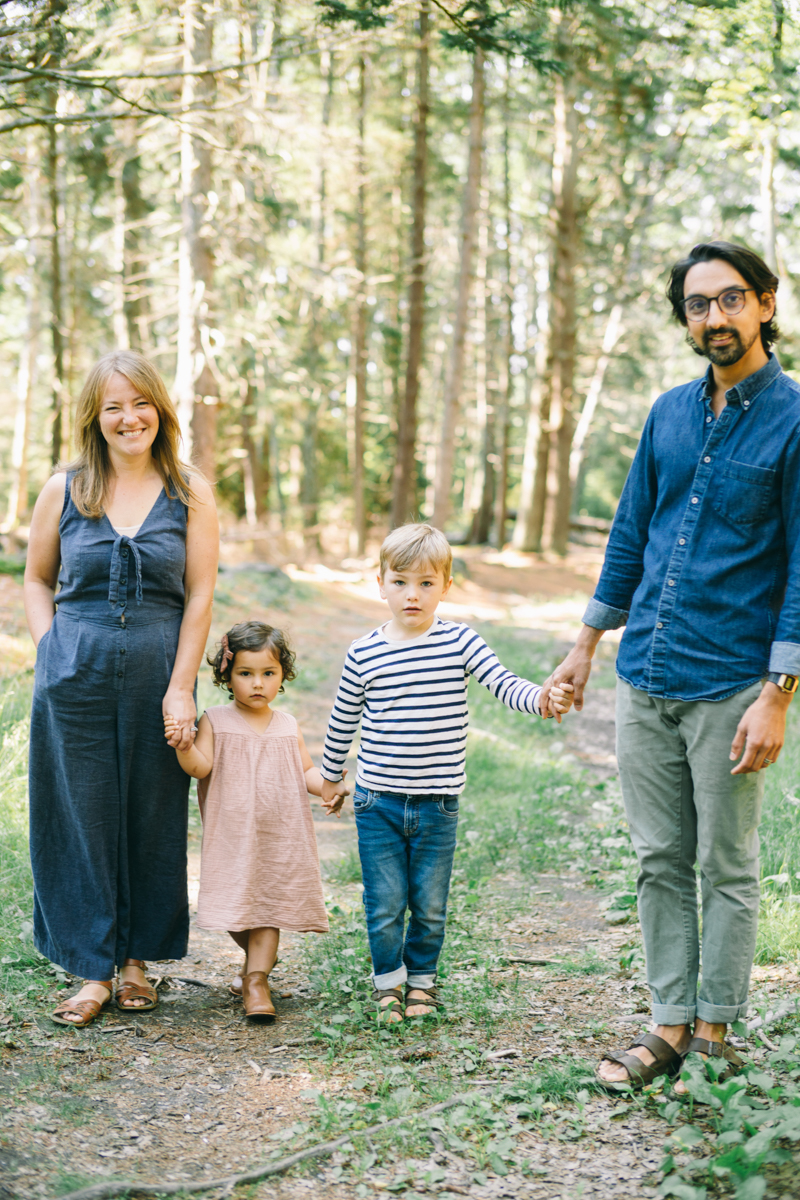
251	635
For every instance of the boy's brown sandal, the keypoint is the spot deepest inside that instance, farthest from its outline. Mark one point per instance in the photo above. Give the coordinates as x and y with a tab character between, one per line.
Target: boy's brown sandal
666	1061
85	1010
257	997
718	1050
128	991
394	1005
429	997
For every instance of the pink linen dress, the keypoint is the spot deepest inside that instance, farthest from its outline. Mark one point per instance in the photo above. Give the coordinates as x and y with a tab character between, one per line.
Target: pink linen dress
260	865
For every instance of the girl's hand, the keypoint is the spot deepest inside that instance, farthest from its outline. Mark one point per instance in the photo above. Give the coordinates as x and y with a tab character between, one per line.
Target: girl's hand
560	700
180	707
172	729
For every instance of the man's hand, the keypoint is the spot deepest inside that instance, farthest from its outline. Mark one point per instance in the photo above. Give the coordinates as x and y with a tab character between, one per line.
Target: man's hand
761	731
334	795
574	669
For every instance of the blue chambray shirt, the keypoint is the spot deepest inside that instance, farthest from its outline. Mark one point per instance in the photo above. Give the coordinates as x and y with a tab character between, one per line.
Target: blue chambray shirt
703	560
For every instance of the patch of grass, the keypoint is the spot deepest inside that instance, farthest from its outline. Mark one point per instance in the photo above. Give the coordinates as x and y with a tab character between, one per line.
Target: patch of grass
588	964
344	870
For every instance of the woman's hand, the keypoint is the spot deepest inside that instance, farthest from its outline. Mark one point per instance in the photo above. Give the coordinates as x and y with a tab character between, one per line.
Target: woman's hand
179	708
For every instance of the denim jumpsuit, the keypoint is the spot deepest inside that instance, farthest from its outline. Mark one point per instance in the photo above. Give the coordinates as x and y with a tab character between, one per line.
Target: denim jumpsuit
108	800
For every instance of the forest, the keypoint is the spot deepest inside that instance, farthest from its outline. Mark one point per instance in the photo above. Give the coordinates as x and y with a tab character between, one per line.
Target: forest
394	258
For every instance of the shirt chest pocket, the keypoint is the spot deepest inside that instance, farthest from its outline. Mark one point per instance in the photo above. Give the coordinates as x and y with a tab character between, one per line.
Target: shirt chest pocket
744	493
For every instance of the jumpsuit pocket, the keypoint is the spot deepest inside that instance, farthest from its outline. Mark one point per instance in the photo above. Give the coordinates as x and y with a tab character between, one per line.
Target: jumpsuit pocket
448	806
363	800
744	492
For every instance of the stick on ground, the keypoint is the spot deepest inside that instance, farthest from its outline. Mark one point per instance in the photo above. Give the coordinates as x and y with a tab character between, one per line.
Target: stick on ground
110	1188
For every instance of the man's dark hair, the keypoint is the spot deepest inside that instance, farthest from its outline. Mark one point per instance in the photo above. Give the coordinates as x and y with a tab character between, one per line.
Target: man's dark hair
751	268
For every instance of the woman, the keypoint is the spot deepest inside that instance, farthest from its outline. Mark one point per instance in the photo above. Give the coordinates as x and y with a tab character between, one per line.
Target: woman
134	532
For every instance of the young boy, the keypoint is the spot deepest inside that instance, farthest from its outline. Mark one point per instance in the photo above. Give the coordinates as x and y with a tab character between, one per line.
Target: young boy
407	682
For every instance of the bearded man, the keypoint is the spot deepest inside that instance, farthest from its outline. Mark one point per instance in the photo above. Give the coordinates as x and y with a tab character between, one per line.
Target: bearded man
703	569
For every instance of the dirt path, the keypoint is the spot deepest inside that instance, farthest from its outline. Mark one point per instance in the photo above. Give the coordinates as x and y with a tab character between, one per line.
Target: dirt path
192	1091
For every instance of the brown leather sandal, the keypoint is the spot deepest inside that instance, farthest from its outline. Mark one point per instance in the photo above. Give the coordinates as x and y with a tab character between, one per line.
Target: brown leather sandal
718	1050
429	997
87	1009
128	991
667	1061
257	997
395	1004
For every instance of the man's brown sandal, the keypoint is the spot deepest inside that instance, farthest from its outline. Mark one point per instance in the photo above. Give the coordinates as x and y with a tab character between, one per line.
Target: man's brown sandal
257	997
85	1010
129	991
429	998
718	1050
666	1061
395	1004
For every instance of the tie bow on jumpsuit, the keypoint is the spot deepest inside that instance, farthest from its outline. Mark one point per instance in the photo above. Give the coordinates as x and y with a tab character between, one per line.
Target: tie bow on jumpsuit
108	800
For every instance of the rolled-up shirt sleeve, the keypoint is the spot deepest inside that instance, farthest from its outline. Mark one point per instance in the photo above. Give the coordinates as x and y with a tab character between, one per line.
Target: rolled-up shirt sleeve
623	567
785	650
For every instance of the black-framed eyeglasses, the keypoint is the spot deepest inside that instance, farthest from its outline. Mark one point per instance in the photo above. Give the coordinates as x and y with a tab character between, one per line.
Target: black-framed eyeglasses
730	302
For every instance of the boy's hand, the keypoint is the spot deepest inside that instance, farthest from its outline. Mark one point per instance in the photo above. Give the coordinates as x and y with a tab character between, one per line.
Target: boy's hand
334	795
560	700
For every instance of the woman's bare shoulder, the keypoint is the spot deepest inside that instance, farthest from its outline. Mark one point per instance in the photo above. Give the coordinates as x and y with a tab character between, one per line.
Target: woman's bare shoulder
201	489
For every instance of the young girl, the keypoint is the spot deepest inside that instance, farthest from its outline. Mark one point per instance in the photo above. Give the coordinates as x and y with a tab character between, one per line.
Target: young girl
260	869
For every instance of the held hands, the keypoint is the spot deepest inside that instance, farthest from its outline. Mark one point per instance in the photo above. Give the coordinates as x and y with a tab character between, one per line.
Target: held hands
172	732
334	795
559	701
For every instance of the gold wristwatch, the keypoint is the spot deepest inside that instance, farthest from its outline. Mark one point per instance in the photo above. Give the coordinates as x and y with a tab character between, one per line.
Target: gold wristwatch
787	683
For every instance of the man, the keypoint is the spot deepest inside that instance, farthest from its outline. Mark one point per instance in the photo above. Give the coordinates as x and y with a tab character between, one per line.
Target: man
703	567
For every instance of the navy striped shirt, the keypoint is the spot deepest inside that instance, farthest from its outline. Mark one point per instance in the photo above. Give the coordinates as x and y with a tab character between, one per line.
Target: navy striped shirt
411	699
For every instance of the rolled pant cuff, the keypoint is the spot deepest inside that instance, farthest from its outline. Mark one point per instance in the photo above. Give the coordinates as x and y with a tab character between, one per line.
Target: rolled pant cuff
391	979
673	1014
721	1014
421	981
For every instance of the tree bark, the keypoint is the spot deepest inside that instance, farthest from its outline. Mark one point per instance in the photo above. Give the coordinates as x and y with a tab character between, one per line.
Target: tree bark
770	140
506	382
56	285
455	376
480	510
610	339
404	480
360	329
196	387
135	305
556	423
26	377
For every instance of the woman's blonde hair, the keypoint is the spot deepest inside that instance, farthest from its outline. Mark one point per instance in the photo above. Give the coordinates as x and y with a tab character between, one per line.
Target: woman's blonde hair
91	466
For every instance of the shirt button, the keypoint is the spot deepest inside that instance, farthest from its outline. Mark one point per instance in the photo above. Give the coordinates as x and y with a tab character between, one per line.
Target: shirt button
122	651
659	625
746	403
681	541
694	499
124	553
671	582
707	458
708	420
119	673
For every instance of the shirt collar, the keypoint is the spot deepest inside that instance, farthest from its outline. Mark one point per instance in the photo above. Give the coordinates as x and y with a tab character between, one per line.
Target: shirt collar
744	393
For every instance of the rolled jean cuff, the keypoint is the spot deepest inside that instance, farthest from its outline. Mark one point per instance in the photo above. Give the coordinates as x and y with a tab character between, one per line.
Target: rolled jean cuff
603	616
721	1014
673	1014
422	981
391	979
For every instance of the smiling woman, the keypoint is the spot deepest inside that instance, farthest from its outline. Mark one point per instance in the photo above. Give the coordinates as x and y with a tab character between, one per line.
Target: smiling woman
128	534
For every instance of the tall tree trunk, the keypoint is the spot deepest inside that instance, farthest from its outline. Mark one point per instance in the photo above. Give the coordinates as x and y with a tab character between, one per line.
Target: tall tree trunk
770	138
360	330
455	376
56	283
121	338
196	388
405	470
610	339
483	482
26	377
555	415
506	382
136	307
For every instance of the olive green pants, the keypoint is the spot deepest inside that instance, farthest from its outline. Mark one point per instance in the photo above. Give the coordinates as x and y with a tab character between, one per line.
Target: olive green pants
684	807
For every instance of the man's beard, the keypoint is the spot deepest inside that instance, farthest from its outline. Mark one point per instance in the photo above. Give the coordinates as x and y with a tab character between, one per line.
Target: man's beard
722	356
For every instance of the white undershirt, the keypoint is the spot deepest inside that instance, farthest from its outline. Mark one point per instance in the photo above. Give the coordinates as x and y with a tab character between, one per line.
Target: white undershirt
127	530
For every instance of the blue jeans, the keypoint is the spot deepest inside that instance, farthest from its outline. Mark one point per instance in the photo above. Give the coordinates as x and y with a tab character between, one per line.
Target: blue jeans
406	845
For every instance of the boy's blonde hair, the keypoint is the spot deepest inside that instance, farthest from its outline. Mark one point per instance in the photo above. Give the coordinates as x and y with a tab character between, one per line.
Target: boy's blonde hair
411	544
